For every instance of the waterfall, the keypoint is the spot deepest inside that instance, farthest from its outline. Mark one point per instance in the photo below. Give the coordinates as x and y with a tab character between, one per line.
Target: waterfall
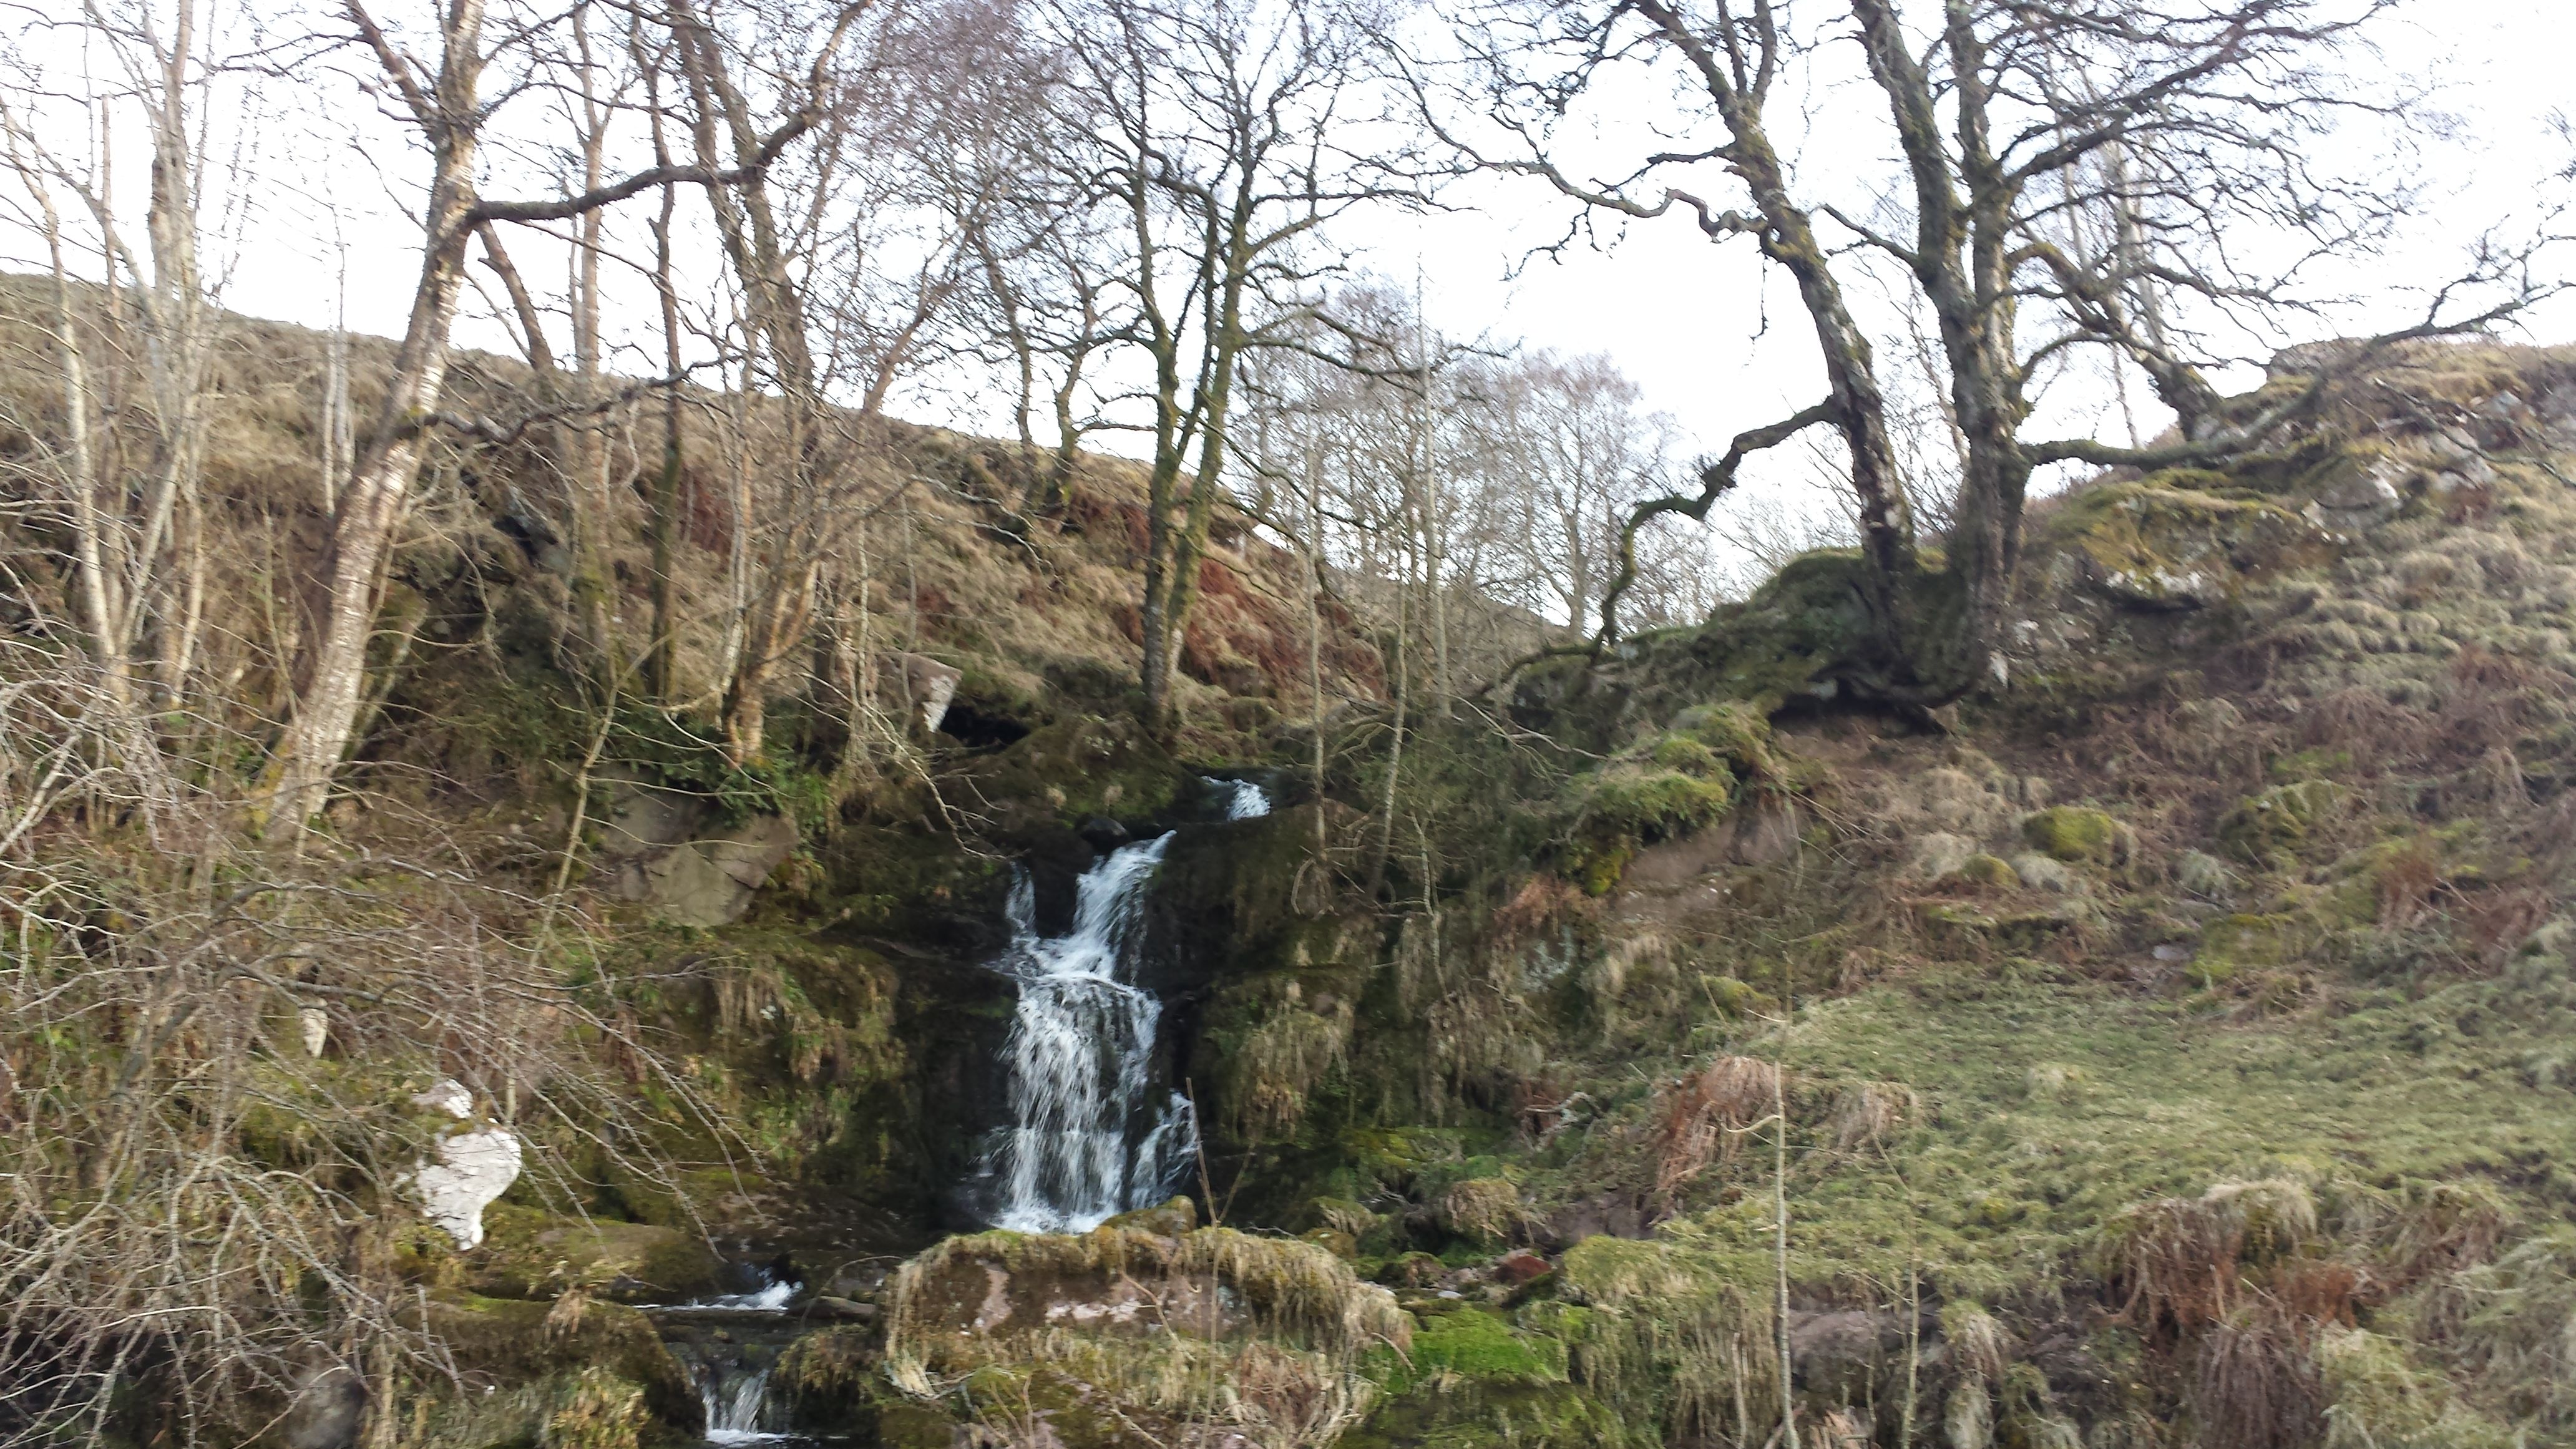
733	1403
1086	1140
1243	799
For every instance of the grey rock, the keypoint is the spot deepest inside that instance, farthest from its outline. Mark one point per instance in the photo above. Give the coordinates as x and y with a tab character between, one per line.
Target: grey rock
711	882
1937	853
329	1407
2363	496
926	685
2041	873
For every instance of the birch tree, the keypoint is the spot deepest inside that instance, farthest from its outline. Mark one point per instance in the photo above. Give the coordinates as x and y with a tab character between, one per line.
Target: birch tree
1222	140
442	97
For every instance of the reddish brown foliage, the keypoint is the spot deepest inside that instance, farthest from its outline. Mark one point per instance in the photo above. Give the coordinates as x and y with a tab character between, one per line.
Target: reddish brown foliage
1706	1117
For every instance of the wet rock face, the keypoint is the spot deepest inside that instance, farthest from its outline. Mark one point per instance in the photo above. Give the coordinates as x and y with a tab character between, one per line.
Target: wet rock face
329	1407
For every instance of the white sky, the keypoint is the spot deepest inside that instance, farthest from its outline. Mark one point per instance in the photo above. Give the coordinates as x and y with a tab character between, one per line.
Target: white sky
1680	316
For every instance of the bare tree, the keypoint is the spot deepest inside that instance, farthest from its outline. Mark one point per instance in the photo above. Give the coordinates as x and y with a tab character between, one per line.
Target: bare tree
1223	139
444	101
2188	124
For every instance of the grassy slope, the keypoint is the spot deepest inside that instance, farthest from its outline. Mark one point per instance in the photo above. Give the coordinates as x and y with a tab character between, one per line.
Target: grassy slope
2311	951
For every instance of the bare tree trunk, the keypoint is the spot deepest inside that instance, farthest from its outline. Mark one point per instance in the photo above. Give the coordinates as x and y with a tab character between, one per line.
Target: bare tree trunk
98	585
1315	640
334	669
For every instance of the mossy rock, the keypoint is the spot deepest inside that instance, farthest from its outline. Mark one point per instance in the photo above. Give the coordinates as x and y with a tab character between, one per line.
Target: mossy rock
516	1341
1988	870
1734	733
528	1253
2164	542
1621	810
1681	752
2273	827
1076	769
1959	924
2232	944
2078	835
1165	1220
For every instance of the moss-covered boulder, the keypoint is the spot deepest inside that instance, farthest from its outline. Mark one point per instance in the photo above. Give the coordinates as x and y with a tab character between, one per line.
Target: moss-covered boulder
1991	871
2079	835
513	1343
1121	1337
1624	809
529	1253
1081	768
2176	540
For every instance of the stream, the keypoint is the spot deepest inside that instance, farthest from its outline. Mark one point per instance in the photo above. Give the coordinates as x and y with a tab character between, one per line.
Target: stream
1091	1133
1090	1136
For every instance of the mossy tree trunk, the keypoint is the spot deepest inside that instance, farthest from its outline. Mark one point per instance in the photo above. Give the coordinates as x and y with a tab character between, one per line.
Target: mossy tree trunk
2021	129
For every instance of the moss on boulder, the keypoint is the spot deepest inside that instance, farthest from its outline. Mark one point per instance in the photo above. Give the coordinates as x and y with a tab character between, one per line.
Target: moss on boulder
529	1253
2079	835
2168	541
1116	1336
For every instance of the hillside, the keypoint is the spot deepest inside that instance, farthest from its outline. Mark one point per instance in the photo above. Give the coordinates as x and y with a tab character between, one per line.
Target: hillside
2176	1042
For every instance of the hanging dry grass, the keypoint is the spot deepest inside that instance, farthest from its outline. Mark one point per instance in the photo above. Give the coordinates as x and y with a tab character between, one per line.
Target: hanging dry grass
1705	1116
2255	1383
2178	1264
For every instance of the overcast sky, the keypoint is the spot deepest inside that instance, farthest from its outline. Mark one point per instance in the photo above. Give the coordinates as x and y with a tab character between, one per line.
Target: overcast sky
1683	323
1684	318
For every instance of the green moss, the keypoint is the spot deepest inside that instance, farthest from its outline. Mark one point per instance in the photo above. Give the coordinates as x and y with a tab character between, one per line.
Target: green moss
1735	733
1621	811
2079	834
1680	752
1988	870
2165	541
2271	828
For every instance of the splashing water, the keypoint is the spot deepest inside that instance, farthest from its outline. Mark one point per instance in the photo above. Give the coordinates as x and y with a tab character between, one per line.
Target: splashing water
766	1298
733	1404
1080	1053
1244	800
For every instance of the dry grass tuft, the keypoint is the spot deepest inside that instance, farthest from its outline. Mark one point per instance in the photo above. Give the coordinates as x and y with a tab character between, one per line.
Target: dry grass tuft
1868	1113
2179	1263
2256	1385
1705	1116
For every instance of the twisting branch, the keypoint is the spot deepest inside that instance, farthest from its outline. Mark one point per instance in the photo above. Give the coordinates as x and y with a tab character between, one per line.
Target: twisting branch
1714	478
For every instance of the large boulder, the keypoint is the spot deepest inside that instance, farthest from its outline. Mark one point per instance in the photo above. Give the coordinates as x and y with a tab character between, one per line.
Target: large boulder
710	882
1112	1337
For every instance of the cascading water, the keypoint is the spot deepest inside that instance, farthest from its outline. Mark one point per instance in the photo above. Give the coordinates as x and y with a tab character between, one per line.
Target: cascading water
733	1404
1244	800
1086	1140
728	1342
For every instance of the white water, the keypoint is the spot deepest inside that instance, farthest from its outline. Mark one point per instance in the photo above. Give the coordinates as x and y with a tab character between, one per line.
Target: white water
769	1298
1243	799
733	1404
1087	1141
